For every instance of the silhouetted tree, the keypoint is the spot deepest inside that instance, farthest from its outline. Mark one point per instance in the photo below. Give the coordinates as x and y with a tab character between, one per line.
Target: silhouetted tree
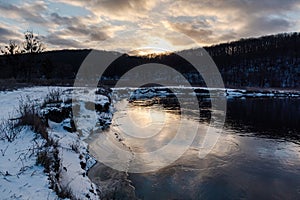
11	48
33	43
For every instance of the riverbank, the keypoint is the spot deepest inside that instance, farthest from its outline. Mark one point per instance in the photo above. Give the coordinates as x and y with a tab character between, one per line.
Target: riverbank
48	158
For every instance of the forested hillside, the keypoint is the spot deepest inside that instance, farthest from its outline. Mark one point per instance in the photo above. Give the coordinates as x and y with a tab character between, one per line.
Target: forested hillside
269	61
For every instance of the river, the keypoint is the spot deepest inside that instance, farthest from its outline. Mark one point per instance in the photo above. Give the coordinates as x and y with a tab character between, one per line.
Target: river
256	155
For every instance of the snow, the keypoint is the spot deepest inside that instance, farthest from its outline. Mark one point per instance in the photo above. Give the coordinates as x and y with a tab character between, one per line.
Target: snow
87	121
20	176
72	175
238	93
147	93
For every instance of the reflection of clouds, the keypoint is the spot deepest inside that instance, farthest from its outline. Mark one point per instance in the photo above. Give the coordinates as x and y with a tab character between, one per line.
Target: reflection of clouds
226	145
232	157
247	167
141	122
271	151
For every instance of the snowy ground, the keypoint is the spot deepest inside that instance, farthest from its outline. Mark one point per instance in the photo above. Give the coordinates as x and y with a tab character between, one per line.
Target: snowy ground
20	176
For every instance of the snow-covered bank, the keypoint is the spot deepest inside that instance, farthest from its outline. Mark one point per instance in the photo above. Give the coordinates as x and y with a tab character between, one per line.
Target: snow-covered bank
239	93
20	177
148	93
31	167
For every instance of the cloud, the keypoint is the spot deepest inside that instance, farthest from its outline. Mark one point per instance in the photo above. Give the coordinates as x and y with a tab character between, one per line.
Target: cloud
222	8
5	32
9	33
266	24
206	21
93	33
121	7
124	10
196	31
75	38
60	20
105	21
82	32
233	19
61	42
30	12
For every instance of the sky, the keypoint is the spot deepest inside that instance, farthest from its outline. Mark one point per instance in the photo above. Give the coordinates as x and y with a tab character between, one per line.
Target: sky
127	25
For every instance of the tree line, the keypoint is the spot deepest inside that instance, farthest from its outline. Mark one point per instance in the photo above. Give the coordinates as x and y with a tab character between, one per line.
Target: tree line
31	44
268	61
264	62
271	45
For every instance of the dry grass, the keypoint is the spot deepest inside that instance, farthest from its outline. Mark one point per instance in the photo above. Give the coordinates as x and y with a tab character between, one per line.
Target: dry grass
29	116
53	96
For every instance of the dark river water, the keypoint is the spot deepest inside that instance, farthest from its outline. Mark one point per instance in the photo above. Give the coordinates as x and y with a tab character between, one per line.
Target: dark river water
256	156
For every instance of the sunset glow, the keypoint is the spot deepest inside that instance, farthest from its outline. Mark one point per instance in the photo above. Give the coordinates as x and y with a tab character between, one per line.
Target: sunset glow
131	24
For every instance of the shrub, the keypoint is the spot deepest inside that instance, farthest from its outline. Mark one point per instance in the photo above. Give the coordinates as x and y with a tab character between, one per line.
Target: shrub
44	159
53	96
8	130
50	160
75	147
29	116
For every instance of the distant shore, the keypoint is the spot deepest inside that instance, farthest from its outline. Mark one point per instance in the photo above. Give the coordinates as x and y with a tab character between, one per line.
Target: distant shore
12	84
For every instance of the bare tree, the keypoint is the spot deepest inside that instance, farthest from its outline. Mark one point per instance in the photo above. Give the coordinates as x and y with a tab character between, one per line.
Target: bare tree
32	43
11	49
